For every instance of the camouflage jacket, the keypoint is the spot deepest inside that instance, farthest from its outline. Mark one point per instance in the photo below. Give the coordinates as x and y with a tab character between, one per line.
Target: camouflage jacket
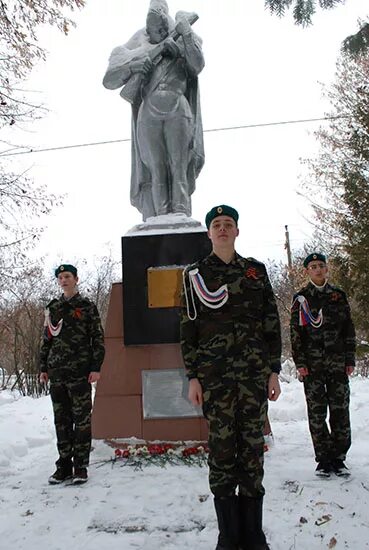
336	335
79	347
243	331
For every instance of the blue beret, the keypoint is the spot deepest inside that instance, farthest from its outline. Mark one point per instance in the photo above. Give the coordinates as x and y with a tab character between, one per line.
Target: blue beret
314	256
66	267
221	210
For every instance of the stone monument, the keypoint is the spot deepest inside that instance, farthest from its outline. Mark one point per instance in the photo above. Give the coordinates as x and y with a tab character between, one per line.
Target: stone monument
157	71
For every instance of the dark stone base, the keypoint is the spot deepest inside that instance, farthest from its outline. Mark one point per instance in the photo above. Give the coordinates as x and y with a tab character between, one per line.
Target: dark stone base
144	325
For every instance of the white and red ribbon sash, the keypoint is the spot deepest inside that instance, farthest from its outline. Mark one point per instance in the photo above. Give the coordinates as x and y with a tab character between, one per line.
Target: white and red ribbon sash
305	315
52	330
213	300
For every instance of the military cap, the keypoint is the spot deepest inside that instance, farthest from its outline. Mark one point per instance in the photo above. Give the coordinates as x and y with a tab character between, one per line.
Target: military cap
221	210
314	256
66	267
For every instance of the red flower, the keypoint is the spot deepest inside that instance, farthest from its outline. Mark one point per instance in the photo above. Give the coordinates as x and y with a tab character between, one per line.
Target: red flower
156	449
121	453
190	451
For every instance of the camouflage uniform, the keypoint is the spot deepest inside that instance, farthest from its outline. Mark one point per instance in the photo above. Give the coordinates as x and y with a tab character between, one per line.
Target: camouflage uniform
326	352
68	359
232	351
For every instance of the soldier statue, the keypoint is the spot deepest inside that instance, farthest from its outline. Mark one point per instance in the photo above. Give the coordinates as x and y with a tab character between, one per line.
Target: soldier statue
158	69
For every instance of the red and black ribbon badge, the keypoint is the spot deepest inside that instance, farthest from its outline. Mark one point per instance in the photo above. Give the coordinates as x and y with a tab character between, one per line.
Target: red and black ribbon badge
77	313
335	297
252	273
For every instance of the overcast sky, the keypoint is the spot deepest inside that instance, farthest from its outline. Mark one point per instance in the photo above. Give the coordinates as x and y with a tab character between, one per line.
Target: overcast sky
259	69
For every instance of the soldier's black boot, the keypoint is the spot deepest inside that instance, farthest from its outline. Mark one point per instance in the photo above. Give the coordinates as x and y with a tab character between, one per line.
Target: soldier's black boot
251	521
228	522
63	472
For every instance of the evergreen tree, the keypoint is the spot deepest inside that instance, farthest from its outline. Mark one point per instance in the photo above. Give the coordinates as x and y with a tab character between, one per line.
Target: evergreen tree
340	174
303	11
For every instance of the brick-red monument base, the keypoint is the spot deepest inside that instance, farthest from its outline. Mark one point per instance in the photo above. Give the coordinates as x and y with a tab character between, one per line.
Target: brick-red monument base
117	411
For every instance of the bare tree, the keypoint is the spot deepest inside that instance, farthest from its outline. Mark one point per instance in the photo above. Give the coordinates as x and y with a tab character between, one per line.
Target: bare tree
97	285
20	49
21	322
22	203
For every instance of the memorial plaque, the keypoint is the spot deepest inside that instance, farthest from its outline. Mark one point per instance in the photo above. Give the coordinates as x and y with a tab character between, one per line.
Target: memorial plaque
164	286
164	395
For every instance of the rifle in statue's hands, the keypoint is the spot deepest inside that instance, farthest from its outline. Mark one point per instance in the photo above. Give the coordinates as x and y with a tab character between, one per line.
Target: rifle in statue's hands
132	87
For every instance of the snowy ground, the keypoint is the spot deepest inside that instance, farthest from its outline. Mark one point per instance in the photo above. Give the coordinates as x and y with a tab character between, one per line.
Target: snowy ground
171	508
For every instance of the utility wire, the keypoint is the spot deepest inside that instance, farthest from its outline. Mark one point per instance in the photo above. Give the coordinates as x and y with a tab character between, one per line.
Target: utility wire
224	129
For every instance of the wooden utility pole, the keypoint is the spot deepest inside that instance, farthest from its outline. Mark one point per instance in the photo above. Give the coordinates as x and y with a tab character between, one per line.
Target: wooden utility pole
288	247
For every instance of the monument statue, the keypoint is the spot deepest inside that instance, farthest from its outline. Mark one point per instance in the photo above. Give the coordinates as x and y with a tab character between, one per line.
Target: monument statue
158	69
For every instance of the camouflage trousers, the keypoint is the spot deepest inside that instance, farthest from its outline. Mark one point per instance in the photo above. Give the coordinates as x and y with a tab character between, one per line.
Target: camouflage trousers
72	415
326	391
236	412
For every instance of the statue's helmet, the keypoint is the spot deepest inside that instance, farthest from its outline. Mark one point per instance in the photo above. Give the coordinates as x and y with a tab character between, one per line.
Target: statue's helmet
159	7
157	21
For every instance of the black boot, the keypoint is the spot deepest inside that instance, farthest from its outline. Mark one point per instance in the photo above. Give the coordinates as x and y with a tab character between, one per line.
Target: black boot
251	519
63	472
228	522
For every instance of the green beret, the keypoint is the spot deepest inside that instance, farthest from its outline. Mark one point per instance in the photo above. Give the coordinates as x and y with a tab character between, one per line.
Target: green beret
221	210
314	256
66	267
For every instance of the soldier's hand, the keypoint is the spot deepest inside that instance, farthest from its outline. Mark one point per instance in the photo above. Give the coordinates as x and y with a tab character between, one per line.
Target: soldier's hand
44	378
349	370
143	65
195	392
182	25
274	389
93	377
171	47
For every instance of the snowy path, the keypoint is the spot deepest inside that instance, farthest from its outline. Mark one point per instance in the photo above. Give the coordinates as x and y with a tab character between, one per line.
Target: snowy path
171	508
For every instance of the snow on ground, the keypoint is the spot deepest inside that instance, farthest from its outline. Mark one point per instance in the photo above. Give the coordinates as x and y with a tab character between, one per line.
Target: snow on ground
171	508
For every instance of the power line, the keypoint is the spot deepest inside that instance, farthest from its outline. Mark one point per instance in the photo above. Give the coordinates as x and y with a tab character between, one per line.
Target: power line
224	129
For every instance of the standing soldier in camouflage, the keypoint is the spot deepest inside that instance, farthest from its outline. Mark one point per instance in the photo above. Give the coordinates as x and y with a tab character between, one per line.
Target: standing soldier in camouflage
323	348
71	356
231	346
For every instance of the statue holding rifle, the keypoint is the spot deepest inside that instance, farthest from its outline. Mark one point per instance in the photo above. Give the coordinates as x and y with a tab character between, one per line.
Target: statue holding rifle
158	69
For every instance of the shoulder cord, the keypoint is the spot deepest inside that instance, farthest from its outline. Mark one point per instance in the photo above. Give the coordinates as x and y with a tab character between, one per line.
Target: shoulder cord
191	318
213	300
54	330
305	315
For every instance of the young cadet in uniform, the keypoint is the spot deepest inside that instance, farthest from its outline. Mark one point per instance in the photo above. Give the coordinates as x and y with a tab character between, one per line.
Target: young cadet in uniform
231	346
71	356
323	348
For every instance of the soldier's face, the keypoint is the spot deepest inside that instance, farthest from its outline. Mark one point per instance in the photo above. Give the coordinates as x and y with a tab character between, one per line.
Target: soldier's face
223	231
156	28
317	271
67	282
